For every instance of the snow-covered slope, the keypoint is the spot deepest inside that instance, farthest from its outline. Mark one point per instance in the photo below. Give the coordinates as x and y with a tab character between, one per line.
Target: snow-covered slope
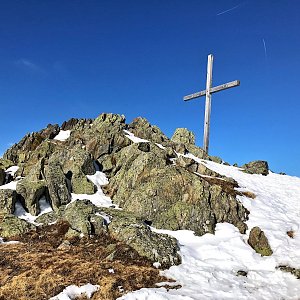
210	263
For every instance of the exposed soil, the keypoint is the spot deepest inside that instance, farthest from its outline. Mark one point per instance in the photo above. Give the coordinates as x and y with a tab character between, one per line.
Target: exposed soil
43	264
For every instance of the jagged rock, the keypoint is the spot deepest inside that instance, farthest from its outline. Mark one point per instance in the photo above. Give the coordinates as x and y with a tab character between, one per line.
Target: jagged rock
2	176
49	218
82	217
171	197
8	200
31	191
5	163
11	225
156	247
187	163
73	123
258	241
20	152
141	128
77	163
32	163
216	159
183	136
257	167
57	184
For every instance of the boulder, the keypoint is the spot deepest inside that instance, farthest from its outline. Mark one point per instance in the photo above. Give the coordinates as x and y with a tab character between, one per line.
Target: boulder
20	152
83	218
256	167
259	242
2	176
170	196
8	200
141	128
76	163
32	191
57	184
11	226
154	246
183	136
5	163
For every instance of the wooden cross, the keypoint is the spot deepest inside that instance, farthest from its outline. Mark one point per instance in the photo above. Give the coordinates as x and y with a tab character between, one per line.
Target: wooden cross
207	93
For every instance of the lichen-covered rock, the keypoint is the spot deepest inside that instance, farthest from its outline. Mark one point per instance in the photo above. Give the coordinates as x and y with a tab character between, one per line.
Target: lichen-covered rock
32	191
141	128
57	184
257	167
76	163
258	241
170	196
8	200
48	218
156	247
11	225
83	218
2	176
183	136
20	152
5	163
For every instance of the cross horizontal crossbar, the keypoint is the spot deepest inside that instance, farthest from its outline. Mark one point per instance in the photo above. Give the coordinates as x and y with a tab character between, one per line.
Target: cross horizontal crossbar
215	89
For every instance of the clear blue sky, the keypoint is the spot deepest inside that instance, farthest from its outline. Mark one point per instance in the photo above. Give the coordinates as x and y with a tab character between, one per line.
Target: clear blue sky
63	59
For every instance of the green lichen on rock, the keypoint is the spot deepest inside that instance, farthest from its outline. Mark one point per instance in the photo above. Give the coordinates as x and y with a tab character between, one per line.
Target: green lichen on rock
172	196
156	247
257	167
8	200
83	218
57	184
5	163
259	242
183	136
2	176
31	191
11	225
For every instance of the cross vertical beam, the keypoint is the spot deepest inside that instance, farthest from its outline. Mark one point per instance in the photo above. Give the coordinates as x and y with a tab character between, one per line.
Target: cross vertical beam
207	93
207	102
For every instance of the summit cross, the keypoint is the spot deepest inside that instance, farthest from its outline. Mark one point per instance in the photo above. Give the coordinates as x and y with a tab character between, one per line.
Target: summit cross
207	93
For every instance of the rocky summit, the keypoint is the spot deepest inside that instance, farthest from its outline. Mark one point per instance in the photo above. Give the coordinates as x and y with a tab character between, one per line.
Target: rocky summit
58	175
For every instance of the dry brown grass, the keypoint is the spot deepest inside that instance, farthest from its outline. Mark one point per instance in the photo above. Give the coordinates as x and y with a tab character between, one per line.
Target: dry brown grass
249	194
36	269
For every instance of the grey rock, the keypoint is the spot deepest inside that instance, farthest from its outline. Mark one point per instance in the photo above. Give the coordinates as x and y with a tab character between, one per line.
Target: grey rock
183	136
32	191
8	200
171	196
82	218
141	128
259	242
156	247
257	167
57	184
2	176
11	225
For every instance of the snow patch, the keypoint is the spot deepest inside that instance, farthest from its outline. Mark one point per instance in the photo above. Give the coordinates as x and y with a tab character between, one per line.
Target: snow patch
72	291
21	213
63	135
99	199
133	138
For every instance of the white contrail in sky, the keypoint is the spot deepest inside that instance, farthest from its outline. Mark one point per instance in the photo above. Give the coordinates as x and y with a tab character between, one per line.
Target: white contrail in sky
265	47
232	8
